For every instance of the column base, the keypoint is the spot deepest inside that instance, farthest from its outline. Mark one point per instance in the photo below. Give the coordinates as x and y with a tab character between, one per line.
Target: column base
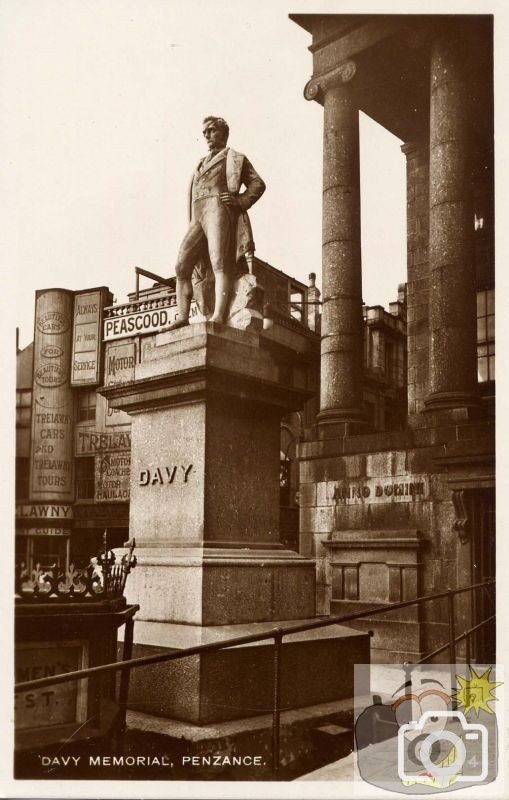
445	401
339	423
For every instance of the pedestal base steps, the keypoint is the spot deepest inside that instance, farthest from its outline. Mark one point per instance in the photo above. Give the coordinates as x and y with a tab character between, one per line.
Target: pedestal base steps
242	749
317	666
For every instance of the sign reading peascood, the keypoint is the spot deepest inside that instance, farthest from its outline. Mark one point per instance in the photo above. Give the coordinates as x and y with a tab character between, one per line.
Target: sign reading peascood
142	322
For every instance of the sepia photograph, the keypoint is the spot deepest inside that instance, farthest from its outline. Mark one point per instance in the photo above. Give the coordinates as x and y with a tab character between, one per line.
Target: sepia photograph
252	278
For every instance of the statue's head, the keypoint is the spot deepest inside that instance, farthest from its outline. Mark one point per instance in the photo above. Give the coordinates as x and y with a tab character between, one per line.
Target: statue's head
216	132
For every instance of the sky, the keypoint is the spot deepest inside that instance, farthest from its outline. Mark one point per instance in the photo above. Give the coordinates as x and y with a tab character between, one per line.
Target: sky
105	102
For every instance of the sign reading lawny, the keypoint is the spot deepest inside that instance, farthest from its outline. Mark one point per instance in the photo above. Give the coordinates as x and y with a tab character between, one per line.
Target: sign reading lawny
407	488
40	511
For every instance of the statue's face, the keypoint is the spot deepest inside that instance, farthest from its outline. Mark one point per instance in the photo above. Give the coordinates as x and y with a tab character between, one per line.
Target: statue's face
214	136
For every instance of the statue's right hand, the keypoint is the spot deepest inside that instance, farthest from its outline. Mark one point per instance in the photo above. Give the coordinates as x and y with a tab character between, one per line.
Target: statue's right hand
228	199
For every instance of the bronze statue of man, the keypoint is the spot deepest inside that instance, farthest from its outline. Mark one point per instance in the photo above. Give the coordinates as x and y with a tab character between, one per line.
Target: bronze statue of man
219	232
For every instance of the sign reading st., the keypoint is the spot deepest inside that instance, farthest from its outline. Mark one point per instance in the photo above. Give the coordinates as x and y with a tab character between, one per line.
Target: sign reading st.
51	705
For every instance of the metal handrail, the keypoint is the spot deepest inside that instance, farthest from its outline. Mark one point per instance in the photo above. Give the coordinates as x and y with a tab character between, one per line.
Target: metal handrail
277	635
456	640
224	644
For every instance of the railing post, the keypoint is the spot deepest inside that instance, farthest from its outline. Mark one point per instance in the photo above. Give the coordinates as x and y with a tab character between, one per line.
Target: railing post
276	700
125	674
467	648
452	634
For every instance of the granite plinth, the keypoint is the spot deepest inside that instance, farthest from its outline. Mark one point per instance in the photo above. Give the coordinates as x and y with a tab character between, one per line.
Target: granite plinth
206	402
317	666
222	586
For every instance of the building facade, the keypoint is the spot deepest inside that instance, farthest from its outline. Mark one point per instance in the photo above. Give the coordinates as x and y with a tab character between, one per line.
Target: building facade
97	453
393	515
72	450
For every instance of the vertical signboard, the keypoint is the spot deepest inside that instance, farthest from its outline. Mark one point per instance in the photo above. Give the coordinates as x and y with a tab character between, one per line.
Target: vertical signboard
119	366
113	477
51	474
86	340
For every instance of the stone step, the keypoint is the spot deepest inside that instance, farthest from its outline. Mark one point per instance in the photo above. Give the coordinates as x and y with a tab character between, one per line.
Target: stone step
303	743
333	741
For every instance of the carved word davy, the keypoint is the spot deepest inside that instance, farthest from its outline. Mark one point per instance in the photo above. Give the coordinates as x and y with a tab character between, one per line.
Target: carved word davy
164	475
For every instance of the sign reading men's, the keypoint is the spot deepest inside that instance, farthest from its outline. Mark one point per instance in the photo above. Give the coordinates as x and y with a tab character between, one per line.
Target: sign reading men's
86	344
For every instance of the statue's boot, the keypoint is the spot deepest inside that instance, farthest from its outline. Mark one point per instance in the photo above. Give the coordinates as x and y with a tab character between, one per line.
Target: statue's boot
222	291
184	296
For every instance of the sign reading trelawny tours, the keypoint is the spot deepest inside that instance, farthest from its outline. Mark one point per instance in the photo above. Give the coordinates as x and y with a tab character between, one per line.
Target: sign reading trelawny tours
86	340
52	418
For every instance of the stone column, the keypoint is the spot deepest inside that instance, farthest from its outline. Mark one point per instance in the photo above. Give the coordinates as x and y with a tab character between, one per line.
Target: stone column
452	300
342	326
418	336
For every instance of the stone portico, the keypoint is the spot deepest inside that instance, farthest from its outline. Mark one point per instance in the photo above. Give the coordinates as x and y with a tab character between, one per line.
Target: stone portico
395	515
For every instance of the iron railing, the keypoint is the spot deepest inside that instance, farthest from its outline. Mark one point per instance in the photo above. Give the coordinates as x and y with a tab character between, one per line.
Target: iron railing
277	635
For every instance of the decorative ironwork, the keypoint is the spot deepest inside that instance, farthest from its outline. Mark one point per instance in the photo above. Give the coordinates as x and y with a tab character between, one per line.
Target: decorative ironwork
135	306
104	578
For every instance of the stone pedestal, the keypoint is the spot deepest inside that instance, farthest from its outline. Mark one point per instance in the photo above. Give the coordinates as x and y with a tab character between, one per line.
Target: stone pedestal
206	403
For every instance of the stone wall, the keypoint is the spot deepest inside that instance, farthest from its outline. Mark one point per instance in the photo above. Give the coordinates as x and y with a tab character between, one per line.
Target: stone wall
380	516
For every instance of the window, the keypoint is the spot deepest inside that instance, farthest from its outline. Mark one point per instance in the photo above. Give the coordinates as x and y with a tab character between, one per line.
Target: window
394	363
390	362
371	415
284	481
86	406
22	475
297	305
85	481
486	335
23	408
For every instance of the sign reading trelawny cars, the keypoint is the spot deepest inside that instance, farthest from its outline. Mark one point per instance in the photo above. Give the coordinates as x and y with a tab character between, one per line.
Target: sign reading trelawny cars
51	477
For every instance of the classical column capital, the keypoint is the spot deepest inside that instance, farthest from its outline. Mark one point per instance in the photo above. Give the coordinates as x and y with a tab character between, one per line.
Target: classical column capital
408	148
317	87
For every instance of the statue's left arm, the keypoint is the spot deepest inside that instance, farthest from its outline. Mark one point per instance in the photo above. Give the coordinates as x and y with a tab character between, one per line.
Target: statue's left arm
255	186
